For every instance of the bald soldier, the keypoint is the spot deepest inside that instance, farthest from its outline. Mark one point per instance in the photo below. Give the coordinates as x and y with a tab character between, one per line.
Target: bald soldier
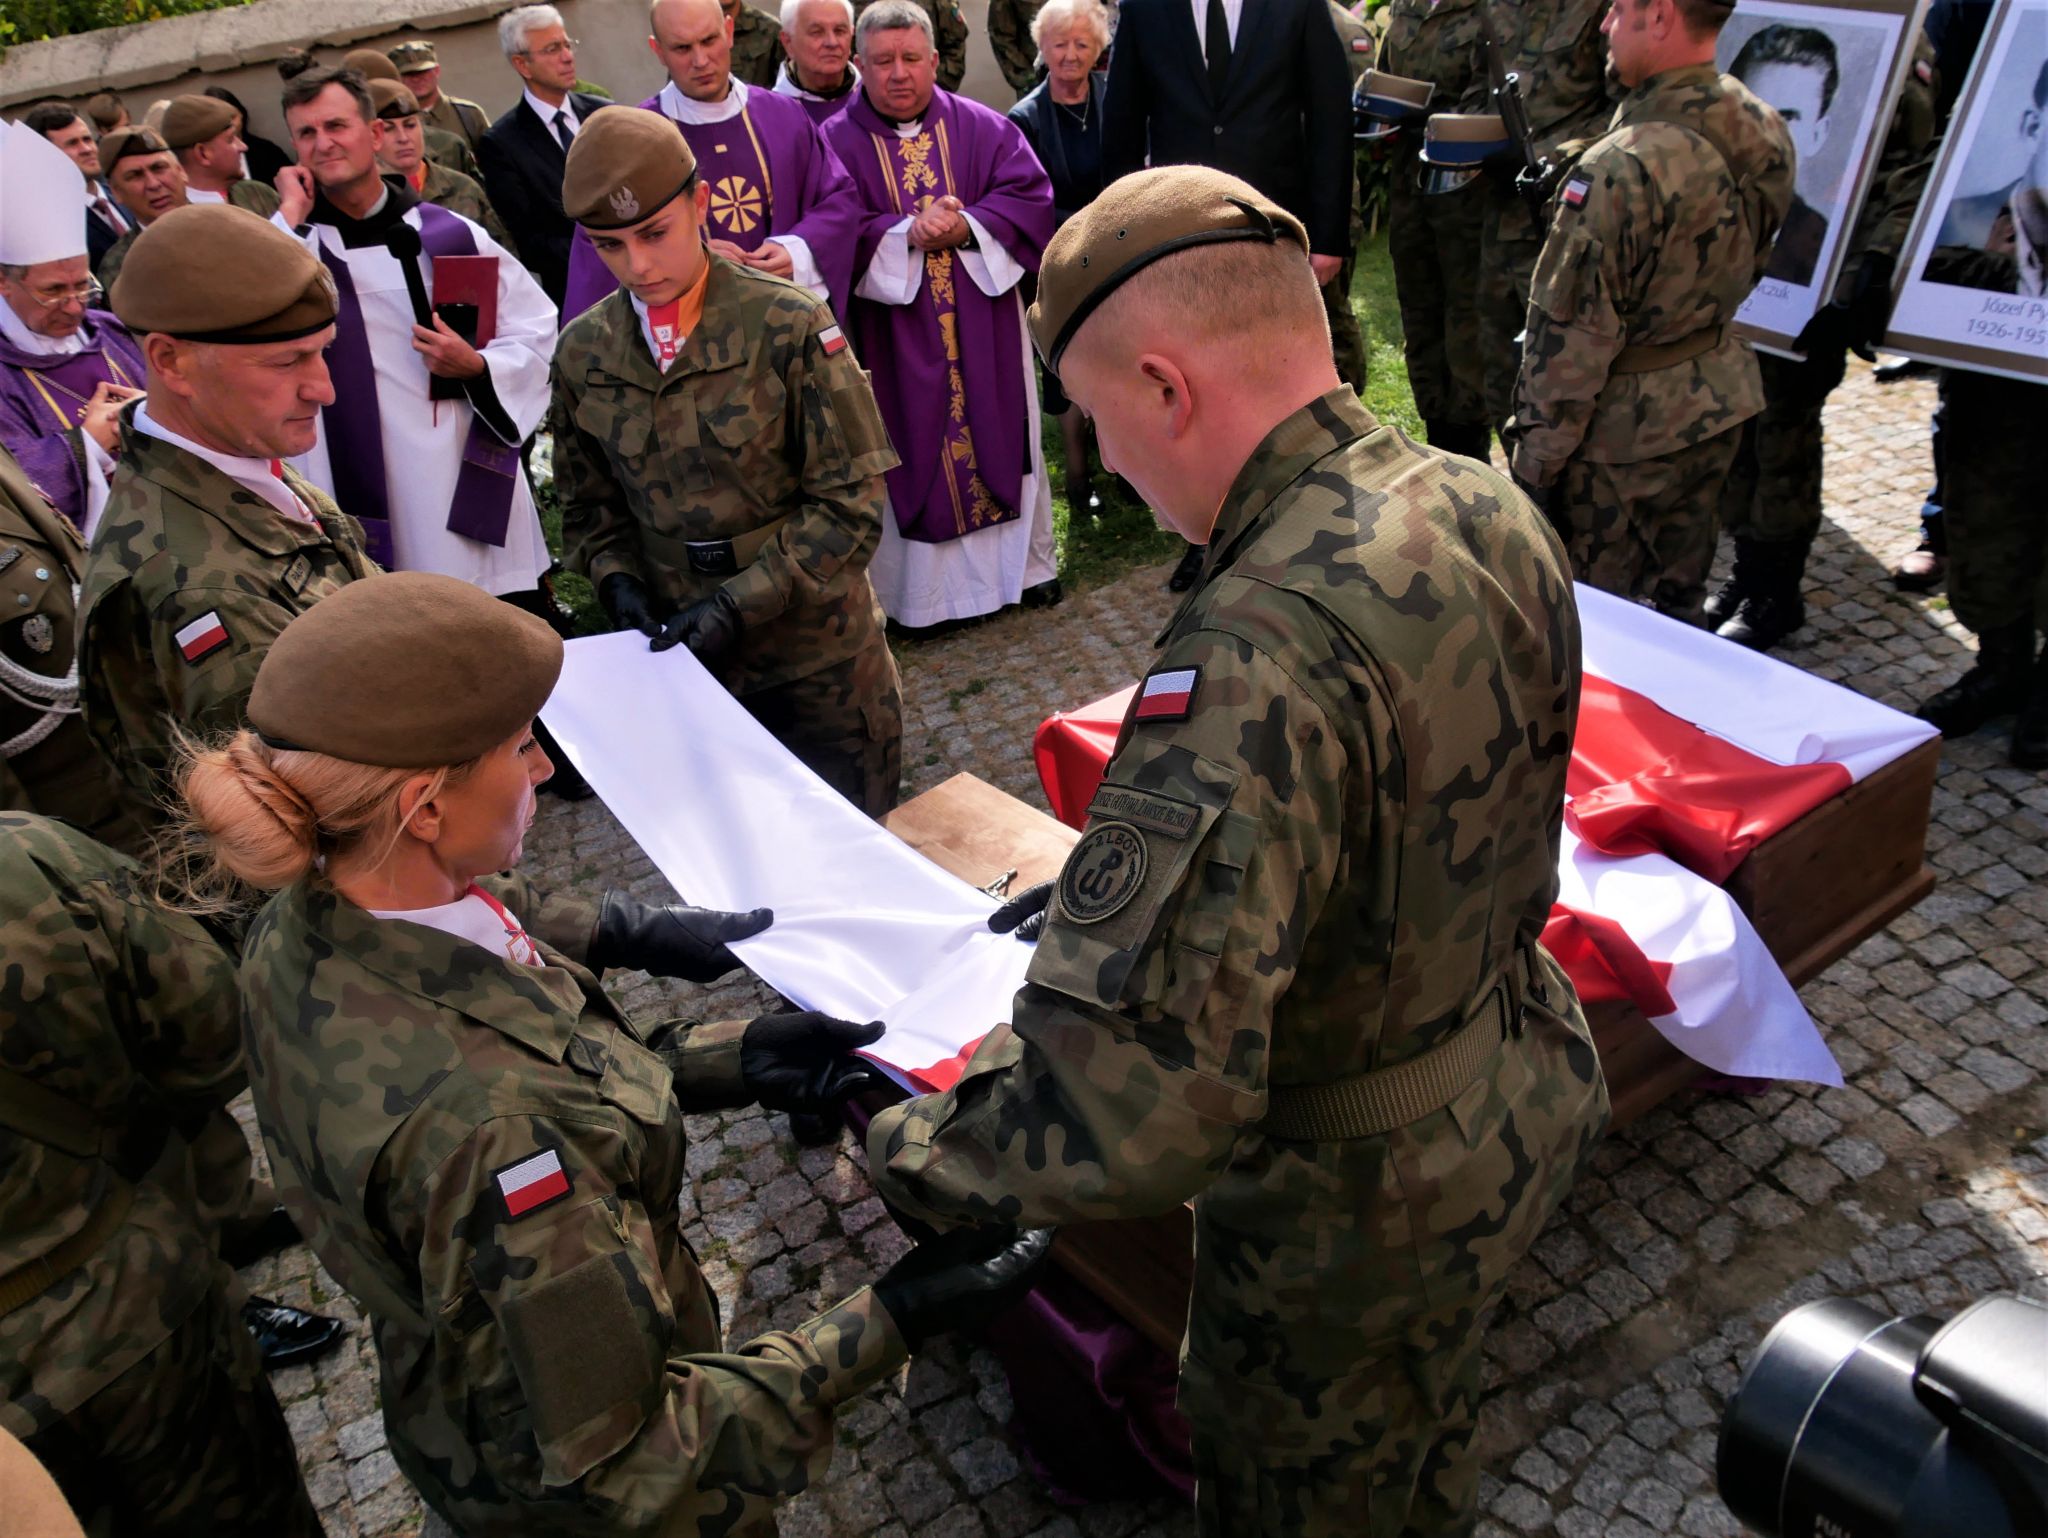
1291	971
1634	395
719	457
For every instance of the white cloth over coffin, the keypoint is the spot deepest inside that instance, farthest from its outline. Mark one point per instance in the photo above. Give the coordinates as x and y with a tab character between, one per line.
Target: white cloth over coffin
866	928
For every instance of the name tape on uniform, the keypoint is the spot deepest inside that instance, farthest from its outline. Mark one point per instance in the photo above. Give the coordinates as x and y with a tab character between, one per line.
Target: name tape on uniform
203	637
1168	695
532	1183
1145	809
833	340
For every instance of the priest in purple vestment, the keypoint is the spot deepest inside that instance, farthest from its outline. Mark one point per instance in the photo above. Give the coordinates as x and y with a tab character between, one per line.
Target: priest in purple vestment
780	201
957	210
817	70
65	369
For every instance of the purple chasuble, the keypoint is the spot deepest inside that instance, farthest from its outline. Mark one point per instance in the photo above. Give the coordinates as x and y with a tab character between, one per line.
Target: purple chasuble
769	173
948	366
44	395
482	506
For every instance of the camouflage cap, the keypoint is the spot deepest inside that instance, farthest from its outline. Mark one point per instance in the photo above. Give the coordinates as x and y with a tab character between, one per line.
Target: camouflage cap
413	56
191	120
404	670
211	272
393	99
1137	220
370	64
622	167
123	142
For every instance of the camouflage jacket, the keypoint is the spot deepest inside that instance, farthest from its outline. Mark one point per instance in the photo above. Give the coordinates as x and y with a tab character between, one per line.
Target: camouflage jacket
1437	41
127	1011
764	415
1317	861
950	29
1657	236
756	45
179	544
1357	38
456	115
453	151
463	195
253	195
60	775
110	265
1900	180
495	1178
1556	48
1009	39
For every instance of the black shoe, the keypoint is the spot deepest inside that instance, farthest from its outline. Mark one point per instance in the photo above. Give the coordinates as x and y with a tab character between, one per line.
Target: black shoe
2030	731
812	1130
1043	595
249	1245
1722	603
1768	605
287	1336
1763	620
1190	568
1894	369
2000	683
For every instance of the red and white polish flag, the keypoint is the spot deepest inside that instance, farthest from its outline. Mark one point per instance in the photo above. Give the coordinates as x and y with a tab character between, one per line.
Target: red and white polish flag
203	637
532	1183
1167	695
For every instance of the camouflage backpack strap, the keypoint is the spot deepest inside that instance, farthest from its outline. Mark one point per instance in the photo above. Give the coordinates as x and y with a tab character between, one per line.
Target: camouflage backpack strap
1645	358
44	1116
1371	1104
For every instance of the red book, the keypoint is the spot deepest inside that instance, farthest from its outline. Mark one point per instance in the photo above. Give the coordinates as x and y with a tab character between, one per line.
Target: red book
470	280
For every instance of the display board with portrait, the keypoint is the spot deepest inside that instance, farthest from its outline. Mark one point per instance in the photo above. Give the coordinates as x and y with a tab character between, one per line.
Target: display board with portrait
1972	287
1832	69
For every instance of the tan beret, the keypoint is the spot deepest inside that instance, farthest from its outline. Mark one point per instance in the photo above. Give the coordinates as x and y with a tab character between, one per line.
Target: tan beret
393	99
123	142
413	56
370	64
1138	219
624	164
211	272
191	120
405	670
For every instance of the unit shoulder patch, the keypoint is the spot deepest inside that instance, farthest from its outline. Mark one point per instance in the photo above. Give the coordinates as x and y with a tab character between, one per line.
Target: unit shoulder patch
1103	873
203	637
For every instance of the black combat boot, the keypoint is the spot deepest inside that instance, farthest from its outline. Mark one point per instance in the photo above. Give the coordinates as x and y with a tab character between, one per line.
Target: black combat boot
1722	603
1998	685
1773	607
2030	731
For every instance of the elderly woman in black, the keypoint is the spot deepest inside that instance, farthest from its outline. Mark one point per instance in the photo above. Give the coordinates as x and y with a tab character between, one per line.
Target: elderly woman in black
1062	117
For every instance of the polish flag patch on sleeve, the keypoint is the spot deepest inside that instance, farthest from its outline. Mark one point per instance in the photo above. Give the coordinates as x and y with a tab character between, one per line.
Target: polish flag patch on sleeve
1576	189
203	637
1168	695
532	1183
833	340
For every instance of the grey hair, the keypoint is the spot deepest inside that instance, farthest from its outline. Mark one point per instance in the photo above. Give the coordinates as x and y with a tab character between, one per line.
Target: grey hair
793	9
1054	13
891	16
13	273
515	27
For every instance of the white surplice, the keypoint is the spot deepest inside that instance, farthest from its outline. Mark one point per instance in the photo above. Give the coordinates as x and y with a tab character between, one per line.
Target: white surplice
921	583
423	439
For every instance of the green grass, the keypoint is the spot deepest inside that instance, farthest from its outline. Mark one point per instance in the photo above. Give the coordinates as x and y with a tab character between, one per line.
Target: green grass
1098	548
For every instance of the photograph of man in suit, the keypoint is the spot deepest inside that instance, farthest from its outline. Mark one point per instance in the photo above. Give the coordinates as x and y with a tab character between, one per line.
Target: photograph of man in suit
2011	220
1796	72
523	152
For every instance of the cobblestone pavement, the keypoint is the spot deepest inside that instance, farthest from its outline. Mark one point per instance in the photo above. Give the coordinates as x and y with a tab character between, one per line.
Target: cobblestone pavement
1920	1185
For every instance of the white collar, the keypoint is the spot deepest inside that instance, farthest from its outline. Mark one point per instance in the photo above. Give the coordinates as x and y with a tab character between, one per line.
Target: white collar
687	109
201	195
546	114
250	474
911	129
786	85
16	330
471	917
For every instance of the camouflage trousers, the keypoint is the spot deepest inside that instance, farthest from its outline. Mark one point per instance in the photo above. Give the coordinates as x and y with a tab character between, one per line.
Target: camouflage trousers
845	723
1332	1369
1647	530
189	1441
1509	243
1348	346
1996	463
1434	243
1776	500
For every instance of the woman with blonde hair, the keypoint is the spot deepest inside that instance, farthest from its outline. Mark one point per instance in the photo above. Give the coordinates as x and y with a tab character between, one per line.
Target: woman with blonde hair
486	1152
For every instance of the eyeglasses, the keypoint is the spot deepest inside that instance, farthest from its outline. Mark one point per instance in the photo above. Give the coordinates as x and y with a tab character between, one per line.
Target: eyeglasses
70	293
553	50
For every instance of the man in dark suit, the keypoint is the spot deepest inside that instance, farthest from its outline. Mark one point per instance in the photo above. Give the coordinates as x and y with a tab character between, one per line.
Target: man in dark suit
1258	88
522	154
105	221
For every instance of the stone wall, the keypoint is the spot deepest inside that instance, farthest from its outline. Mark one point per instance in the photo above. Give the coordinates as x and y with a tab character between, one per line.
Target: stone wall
236	48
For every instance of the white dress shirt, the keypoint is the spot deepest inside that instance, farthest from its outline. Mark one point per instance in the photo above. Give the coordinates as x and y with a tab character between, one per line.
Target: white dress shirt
547	114
1233	13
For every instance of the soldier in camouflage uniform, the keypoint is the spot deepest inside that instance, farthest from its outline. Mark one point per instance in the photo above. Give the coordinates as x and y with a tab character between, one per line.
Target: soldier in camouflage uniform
1291	971
1556	49
1631	408
1009	39
949	32
498	1181
47	761
1776	524
756	43
419	68
442	146
122	1363
731	486
401	150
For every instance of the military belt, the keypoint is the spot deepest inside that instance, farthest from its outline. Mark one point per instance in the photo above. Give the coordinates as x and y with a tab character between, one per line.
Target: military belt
712	557
24	1284
41	1114
1369	1104
1643	358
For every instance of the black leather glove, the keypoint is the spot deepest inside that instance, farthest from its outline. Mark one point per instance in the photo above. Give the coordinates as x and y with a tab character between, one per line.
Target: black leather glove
625	599
670	940
802	1062
961	1280
1024	914
710	627
1870	304
1826	334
